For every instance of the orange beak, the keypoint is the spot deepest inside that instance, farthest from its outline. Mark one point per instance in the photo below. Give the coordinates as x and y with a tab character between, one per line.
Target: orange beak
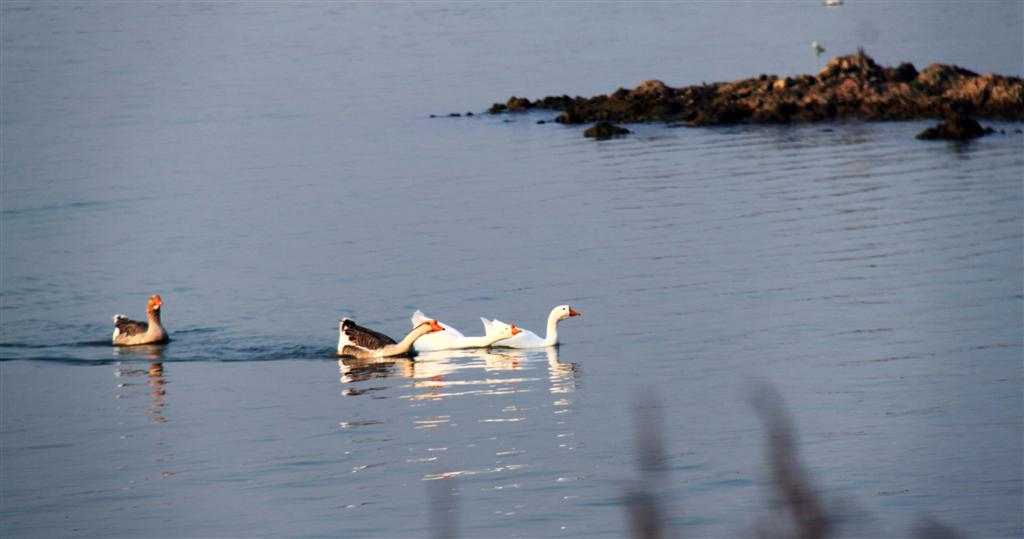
574	313
435	327
515	330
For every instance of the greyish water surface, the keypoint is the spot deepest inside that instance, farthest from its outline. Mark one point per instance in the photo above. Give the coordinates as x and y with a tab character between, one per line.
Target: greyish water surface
269	168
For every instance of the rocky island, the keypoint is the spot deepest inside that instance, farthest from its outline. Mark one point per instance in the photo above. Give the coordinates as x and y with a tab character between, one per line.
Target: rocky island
850	87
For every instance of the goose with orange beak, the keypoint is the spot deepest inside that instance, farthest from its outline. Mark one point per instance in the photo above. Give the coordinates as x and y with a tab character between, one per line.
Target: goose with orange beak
129	332
529	339
453	339
356	341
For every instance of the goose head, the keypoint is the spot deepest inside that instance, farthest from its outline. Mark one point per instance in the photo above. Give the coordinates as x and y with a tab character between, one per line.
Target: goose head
154	303
504	331
431	326
564	311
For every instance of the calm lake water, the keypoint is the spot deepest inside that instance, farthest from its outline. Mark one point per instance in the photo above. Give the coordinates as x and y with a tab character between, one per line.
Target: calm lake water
269	168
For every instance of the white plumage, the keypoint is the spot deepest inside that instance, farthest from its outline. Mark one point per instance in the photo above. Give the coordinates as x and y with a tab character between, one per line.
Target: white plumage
452	339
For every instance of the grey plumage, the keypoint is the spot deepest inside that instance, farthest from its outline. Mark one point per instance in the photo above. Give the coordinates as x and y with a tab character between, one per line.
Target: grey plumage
129	327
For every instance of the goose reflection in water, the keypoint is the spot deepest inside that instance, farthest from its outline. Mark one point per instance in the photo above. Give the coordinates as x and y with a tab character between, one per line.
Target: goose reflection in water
442	371
562	375
532	389
450	373
353	369
155	382
150	381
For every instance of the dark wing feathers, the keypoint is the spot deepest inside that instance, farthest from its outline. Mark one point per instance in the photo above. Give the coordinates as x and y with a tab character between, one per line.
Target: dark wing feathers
130	327
365	337
349	350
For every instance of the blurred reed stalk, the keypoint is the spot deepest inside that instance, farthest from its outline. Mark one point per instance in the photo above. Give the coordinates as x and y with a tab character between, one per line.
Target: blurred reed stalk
646	497
443	510
794	494
799	510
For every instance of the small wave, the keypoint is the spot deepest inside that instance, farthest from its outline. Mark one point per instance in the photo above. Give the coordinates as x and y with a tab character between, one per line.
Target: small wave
38	346
272	353
90	343
86	352
194	331
24	346
80	204
66	360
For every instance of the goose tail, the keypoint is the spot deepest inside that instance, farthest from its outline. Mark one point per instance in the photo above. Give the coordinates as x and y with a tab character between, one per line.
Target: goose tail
418	318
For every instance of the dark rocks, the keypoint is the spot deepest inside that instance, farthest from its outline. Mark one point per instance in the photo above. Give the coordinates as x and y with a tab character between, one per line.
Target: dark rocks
569	116
943	75
517	104
906	72
648	89
849	87
957	128
605	130
514	104
860	66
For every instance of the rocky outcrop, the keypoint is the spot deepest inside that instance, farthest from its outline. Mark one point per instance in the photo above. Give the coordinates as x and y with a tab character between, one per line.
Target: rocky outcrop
957	128
849	87
605	130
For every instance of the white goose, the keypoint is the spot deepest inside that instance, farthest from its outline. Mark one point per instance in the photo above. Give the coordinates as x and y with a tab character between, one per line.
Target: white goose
529	339
453	339
356	341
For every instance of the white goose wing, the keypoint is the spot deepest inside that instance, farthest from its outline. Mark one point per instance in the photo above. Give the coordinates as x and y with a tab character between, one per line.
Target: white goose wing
450	333
525	338
418	318
491	326
442	340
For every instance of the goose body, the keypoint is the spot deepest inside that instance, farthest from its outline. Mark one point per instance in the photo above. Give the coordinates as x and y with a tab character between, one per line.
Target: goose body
453	339
529	339
357	341
129	332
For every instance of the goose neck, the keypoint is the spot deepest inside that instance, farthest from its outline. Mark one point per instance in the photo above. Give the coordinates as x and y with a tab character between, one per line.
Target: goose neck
405	344
552	333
